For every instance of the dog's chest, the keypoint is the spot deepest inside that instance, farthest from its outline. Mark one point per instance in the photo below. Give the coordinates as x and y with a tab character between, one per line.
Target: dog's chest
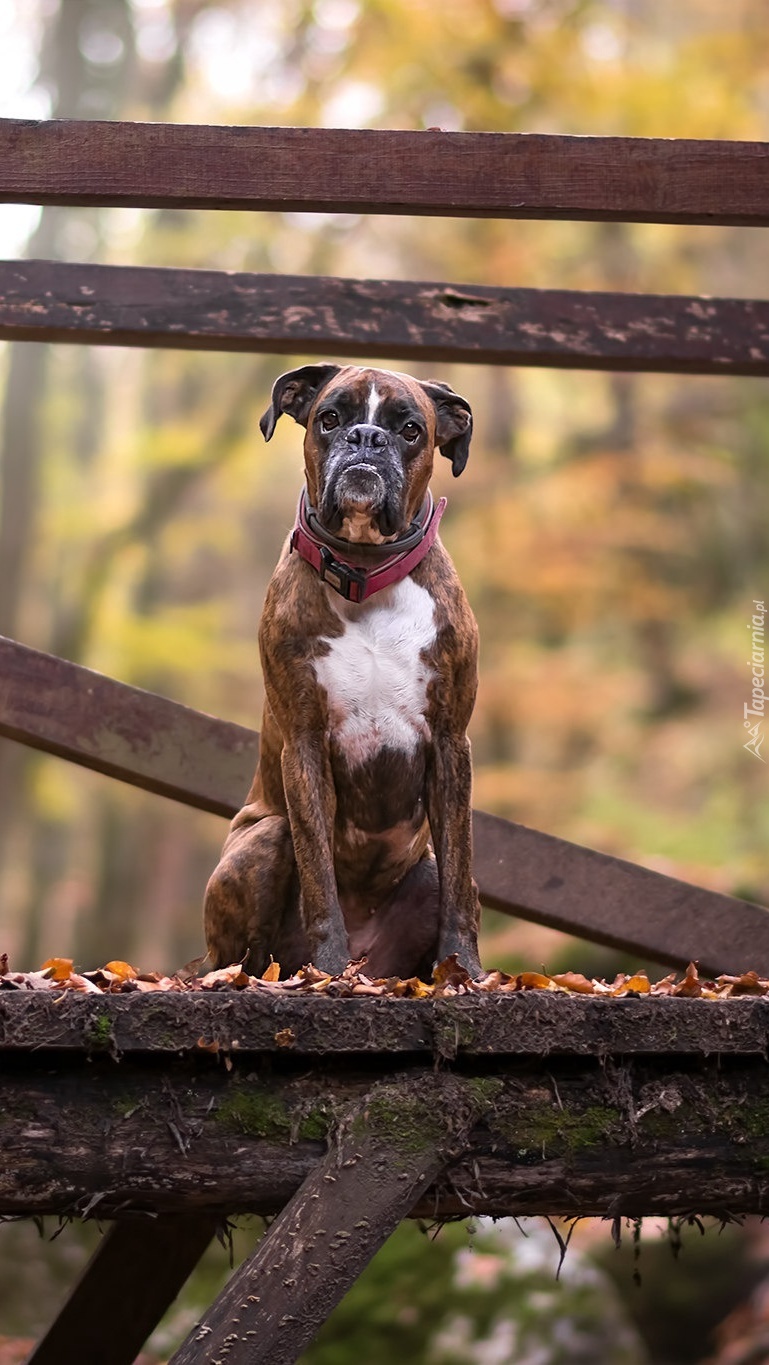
375	673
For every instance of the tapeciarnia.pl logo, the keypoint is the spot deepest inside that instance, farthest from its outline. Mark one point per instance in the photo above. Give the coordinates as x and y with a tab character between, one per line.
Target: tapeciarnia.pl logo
753	712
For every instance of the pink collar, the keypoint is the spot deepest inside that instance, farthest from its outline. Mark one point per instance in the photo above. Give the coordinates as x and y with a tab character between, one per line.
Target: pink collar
314	545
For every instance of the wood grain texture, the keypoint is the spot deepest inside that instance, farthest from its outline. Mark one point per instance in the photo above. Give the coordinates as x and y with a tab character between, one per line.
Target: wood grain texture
151	742
527	1023
503	175
217	310
125	732
357	1194
558	1136
134	1275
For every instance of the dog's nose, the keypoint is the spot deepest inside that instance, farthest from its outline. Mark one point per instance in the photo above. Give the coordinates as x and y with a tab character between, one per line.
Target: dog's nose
367	437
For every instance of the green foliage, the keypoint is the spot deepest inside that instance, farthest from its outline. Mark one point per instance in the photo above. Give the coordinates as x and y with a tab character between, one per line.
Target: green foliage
476	1296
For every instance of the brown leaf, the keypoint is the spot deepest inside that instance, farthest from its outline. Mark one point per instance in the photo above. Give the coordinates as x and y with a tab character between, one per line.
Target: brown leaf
313	976
533	981
574	981
666	986
191	969
749	983
273	972
691	984
451	973
75	982
285	1037
203	1046
58	968
225	976
412	988
639	983
496	981
122	970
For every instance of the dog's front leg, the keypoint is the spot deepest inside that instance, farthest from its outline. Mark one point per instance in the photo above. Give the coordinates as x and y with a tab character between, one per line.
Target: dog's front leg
448	809
311	803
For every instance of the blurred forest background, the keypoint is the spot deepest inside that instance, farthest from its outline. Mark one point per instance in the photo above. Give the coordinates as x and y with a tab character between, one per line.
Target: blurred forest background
610	530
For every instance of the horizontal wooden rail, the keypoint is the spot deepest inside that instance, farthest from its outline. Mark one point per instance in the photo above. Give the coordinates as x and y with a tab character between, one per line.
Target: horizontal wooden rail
555	1134
151	742
499	1023
502	175
217	310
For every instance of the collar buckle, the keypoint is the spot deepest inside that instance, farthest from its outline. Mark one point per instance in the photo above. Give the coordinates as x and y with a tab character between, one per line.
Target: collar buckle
343	578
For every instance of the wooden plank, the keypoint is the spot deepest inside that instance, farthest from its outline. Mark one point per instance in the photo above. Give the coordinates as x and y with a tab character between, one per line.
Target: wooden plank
125	732
217	310
555	1135
610	900
150	742
133	1277
503	175
531	1023
366	1183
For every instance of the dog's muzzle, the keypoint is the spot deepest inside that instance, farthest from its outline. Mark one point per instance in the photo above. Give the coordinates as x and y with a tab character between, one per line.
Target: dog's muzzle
363	474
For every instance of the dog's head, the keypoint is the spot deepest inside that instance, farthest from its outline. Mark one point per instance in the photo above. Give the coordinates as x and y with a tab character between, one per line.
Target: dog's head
369	445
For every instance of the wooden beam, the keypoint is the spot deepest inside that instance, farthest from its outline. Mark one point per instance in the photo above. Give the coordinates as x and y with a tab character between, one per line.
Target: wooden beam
217	310
133	1277
136	736
613	901
150	742
555	1134
367	1182
502	175
499	1024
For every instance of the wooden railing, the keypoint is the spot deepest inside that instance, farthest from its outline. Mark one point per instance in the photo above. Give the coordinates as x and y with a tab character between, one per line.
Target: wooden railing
166	748
163	747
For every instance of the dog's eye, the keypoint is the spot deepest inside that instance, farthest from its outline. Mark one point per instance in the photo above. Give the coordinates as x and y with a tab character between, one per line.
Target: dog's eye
328	420
411	431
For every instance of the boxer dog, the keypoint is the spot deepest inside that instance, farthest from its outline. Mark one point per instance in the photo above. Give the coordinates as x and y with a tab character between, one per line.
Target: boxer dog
355	839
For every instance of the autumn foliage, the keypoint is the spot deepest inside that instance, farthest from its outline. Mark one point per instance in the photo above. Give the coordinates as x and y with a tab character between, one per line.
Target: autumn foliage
449	978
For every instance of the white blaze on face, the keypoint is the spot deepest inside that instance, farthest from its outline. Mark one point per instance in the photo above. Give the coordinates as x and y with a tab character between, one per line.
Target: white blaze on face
374	403
374	675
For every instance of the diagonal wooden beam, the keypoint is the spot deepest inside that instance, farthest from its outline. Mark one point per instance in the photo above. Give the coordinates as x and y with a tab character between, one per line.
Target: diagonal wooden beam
125	732
132	1278
151	742
218	310
494	175
610	900
389	1150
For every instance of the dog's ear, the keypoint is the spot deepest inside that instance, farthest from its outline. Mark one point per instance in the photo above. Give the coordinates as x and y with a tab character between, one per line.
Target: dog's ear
453	423
294	393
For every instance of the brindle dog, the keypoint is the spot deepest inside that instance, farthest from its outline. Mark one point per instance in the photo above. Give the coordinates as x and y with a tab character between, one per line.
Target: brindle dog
355	838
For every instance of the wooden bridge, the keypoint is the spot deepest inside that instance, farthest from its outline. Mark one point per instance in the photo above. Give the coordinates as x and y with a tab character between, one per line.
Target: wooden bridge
376	1108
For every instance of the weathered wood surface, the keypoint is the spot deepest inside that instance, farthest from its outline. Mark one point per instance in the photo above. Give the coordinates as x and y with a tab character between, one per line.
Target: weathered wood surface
504	175
358	1193
217	310
531	1023
70	711
609	900
132	1278
568	1136
125	732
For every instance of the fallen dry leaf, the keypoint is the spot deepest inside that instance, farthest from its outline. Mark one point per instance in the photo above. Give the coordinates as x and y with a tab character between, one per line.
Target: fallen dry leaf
122	970
449	979
59	968
574	981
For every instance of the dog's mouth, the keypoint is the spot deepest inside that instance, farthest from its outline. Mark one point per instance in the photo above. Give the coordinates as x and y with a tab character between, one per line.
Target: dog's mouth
361	505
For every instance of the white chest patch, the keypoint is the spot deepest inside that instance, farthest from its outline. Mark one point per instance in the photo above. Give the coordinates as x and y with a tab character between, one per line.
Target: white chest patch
374	675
